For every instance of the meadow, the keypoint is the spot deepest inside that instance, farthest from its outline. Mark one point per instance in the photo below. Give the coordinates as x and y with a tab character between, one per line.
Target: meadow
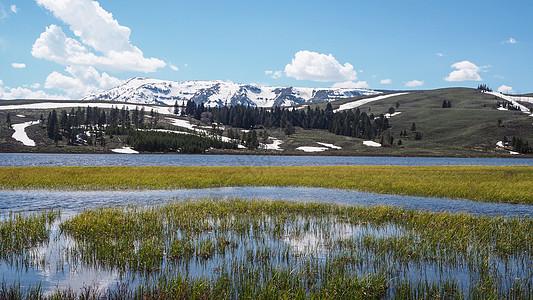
222	249
509	184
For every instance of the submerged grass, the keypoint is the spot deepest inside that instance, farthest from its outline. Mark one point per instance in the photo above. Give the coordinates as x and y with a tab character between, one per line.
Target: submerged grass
509	184
273	249
21	232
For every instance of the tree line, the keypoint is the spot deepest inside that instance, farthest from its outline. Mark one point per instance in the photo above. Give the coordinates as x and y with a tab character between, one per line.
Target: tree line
353	123
91	125
151	141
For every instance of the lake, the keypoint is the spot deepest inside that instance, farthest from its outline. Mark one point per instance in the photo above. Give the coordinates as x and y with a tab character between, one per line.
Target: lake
46	160
60	271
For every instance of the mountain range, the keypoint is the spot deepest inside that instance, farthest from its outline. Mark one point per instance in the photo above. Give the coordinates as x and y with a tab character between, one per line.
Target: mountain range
218	93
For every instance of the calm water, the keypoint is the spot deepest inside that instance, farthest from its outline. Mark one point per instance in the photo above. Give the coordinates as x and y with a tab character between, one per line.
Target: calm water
38	160
58	273
71	202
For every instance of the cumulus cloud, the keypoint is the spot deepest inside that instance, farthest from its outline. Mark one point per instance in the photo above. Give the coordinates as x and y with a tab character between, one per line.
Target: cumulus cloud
96	28
510	41
18	65
504	89
54	45
81	82
99	44
173	67
386	81
35	85
14	8
414	83
439	54
307	65
466	71
7	93
274	74
351	85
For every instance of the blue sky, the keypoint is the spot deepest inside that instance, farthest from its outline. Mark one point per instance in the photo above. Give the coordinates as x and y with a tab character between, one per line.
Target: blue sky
70	48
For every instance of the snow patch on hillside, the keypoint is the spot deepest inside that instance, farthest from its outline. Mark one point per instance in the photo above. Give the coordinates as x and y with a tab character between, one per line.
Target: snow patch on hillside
388	116
275	144
329	145
371	144
20	133
357	103
125	150
311	149
514	100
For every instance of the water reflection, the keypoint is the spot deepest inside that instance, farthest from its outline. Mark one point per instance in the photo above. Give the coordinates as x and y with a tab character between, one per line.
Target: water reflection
71	202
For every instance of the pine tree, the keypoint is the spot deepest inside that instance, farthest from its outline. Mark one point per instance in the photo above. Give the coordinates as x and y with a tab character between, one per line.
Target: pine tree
8	120
176	108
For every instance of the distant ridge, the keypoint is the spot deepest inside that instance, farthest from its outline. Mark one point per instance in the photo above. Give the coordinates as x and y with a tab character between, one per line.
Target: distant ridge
219	93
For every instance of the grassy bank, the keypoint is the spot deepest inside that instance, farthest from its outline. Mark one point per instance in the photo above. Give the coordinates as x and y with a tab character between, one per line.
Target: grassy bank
510	184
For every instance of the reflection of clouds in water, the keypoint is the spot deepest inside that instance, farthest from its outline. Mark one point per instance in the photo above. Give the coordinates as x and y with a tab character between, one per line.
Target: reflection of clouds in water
315	241
71	202
58	272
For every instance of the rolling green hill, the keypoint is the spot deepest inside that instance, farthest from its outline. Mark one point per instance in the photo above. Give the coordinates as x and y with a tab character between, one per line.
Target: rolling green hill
469	128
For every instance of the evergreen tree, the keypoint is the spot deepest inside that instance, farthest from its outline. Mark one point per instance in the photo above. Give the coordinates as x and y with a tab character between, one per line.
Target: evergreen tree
176	108
8	120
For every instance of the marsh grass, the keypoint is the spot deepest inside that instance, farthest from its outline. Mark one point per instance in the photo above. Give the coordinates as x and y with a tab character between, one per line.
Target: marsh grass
211	248
509	184
20	233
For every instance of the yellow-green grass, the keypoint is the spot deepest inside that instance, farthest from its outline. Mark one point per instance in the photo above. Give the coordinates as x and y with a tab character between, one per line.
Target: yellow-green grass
510	184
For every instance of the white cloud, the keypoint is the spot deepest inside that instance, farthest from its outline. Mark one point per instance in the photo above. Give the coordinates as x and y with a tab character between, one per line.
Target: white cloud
83	81
505	89
386	81
14	8
173	67
7	93
307	65
439	54
96	28
466	71
351	85
35	85
18	65
414	83
274	74
54	45
510	41
1	82
99	45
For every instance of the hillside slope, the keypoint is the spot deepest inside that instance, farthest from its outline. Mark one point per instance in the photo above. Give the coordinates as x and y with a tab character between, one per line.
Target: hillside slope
470	126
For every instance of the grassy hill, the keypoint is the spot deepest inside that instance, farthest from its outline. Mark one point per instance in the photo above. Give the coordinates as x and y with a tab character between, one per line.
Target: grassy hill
470	128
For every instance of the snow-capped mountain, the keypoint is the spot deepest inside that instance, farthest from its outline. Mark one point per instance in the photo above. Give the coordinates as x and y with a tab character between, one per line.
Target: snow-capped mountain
220	93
